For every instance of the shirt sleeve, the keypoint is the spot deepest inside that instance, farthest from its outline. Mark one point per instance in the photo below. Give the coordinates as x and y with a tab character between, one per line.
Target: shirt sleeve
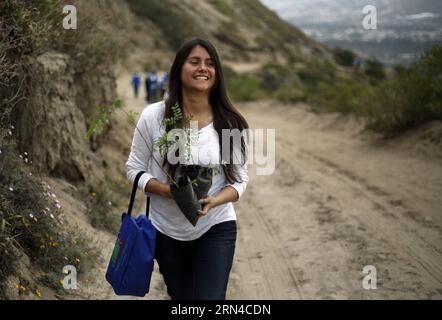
240	168
242	172
141	151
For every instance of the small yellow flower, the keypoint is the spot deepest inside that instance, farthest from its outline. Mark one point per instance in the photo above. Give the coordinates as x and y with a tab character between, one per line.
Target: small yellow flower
77	260
61	282
38	293
93	194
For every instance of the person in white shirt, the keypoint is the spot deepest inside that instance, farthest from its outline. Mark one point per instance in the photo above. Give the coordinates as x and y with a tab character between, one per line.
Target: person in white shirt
195	261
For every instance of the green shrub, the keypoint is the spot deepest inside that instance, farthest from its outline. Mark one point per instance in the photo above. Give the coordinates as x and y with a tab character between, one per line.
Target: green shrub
413	97
290	94
242	87
374	70
344	57
245	88
345	96
316	72
274	76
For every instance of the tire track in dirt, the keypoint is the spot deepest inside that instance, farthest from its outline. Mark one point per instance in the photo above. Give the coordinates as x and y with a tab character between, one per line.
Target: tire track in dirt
410	238
342	218
263	253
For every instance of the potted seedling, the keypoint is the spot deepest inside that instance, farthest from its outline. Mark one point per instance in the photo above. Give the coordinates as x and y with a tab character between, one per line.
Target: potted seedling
192	182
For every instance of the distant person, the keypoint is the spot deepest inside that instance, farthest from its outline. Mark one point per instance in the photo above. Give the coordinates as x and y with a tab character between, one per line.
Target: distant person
152	87
136	81
164	82
357	64
147	85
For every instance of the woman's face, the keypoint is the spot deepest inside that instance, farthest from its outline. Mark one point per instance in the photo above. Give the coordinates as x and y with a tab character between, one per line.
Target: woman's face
198	71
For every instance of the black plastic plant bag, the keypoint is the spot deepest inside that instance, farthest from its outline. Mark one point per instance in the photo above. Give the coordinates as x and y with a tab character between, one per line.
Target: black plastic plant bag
202	177
187	194
186	199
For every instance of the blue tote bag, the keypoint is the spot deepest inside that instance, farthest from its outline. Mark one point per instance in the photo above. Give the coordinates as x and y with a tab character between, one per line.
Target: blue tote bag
131	265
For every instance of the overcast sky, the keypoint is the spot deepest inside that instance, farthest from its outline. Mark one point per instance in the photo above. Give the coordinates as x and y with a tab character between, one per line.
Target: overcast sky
343	10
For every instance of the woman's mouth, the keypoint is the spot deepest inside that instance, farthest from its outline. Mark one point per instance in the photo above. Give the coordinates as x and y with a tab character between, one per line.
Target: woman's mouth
204	78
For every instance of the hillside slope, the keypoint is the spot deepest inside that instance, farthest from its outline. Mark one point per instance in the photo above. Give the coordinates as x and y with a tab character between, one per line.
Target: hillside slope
243	31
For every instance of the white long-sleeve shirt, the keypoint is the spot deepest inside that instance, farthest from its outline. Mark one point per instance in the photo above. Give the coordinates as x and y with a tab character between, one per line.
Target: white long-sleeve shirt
164	213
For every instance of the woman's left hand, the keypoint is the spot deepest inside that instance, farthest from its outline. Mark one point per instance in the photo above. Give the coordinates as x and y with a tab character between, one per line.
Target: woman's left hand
207	203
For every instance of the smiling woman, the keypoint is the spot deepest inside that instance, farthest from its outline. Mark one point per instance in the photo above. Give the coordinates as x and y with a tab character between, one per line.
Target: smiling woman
198	71
194	250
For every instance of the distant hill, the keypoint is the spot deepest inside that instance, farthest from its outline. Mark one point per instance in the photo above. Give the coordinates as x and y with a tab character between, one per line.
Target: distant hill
244	31
405	27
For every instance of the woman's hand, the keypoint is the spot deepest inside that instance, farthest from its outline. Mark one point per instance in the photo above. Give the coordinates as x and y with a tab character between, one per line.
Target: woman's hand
207	203
227	194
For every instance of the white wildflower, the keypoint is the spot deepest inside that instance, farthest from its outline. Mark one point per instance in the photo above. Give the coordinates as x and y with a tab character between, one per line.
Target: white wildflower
52	216
10	189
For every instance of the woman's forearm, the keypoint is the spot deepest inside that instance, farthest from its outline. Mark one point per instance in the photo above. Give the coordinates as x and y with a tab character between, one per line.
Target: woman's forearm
158	188
227	194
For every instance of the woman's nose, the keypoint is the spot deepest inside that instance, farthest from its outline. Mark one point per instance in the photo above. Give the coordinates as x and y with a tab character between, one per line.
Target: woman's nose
203	66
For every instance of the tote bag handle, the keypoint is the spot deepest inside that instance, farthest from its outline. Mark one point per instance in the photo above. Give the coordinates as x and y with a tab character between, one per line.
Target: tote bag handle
132	197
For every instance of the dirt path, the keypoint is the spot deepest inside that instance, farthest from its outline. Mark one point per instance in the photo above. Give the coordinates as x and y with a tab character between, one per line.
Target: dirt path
335	203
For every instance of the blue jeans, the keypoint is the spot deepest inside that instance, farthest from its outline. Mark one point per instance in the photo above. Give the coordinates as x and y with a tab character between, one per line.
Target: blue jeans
198	269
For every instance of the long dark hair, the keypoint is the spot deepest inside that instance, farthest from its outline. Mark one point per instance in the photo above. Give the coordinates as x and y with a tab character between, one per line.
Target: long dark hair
225	115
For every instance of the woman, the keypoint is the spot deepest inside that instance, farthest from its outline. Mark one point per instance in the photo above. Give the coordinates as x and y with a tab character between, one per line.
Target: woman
195	261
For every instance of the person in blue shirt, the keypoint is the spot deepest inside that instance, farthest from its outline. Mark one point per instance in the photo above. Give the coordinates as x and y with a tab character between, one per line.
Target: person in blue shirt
136	81
164	82
152	87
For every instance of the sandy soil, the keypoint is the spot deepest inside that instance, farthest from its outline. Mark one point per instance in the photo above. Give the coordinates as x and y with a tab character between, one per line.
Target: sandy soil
336	202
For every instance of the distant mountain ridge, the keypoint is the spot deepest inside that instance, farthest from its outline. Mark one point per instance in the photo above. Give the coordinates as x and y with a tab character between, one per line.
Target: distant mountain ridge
242	30
405	27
